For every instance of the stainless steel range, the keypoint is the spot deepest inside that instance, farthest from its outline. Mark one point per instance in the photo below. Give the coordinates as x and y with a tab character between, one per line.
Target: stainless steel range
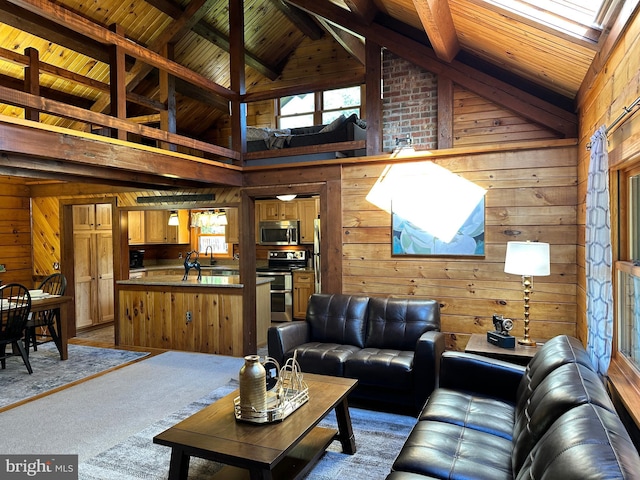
279	267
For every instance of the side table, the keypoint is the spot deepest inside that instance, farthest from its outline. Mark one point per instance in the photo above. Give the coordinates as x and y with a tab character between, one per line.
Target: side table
520	354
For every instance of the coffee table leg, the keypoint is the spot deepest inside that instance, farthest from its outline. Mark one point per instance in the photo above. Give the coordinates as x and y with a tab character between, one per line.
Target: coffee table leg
259	474
345	431
179	466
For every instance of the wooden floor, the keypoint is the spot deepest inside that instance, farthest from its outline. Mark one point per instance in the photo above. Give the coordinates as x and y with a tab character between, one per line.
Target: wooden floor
103	335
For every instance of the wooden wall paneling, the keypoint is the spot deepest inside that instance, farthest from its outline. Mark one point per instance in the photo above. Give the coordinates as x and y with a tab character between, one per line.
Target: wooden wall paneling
15	232
479	121
519	183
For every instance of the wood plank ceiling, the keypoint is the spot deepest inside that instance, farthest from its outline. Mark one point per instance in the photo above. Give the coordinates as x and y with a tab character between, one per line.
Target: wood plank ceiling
529	56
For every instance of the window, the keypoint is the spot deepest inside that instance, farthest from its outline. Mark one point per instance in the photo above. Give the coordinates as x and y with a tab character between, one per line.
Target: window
628	275
318	108
581	19
210	227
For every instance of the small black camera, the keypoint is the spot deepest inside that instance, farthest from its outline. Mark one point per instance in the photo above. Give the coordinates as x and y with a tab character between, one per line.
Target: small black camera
502	325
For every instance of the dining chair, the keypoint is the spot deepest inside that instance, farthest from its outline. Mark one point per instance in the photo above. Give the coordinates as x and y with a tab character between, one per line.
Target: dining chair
46	320
15	305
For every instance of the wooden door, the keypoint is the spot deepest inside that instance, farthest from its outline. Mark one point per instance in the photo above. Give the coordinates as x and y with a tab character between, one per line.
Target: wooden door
84	271
104	277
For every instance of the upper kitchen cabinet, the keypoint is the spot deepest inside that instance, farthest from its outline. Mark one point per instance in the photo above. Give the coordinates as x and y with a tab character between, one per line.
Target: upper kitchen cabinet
152	226
277	210
231	230
308	209
92	217
136	227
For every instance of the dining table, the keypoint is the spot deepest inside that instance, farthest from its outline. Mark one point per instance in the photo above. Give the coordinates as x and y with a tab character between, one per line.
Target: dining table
61	304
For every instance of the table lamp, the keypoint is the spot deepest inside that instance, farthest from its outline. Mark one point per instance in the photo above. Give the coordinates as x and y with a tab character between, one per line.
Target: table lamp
527	259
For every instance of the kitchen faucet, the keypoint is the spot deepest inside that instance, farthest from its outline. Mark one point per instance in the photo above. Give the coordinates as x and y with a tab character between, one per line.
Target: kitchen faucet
210	249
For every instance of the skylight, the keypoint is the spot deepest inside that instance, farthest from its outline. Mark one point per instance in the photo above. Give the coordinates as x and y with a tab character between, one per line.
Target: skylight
575	17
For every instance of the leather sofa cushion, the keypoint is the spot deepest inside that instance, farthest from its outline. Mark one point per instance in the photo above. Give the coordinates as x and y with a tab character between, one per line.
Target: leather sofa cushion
445	450
397	323
566	387
323	358
558	351
385	368
586	443
470	411
337	319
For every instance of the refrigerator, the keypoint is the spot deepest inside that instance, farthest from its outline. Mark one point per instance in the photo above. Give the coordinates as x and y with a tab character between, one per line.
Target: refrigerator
316	256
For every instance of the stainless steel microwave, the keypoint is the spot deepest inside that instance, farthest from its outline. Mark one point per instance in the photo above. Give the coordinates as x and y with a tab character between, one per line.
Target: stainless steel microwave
282	232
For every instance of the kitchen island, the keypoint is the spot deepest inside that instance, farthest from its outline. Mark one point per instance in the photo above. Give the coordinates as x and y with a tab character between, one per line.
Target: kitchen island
192	315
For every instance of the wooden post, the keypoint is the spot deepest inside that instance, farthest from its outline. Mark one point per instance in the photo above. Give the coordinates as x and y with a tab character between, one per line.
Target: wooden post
118	83
236	50
445	112
168	97
373	101
32	81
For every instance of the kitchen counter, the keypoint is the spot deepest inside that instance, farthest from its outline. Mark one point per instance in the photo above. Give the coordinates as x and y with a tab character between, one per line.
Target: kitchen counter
163	311
225	281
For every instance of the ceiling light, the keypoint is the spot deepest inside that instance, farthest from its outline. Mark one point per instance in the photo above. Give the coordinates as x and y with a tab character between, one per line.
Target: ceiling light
286	198
173	219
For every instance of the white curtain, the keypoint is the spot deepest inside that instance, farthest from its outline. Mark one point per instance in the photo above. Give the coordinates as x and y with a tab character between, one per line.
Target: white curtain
598	255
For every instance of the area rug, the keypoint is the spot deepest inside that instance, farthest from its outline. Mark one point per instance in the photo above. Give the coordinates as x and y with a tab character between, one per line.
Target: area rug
49	372
379	438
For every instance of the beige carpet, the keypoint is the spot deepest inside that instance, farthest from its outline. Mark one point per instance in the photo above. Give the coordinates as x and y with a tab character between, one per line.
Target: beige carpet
92	416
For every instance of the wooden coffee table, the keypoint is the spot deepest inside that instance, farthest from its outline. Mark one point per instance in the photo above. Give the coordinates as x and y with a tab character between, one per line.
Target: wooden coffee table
284	450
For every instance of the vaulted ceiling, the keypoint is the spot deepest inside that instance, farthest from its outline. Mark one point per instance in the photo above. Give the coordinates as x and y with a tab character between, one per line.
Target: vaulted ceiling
532	56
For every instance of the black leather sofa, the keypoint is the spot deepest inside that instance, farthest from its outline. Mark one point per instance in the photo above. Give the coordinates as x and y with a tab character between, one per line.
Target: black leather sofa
391	345
493	420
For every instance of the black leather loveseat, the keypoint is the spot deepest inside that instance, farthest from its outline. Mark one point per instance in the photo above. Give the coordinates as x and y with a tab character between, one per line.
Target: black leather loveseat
492	420
391	345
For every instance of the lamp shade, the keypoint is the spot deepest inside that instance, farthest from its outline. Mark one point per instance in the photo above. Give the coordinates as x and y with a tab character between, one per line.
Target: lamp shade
527	258
173	219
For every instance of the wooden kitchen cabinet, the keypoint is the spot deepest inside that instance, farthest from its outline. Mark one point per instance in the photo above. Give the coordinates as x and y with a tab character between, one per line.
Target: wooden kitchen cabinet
231	231
303	286
93	265
277	210
136	227
308	209
158	230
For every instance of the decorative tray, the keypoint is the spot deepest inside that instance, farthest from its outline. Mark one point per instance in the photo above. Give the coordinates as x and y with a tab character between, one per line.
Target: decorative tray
277	408
288	394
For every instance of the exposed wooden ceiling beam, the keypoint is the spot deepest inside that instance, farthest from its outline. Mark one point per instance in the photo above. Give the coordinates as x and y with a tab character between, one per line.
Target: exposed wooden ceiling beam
365	9
352	44
217	38
172	34
301	19
436	19
511	97
100	34
54	32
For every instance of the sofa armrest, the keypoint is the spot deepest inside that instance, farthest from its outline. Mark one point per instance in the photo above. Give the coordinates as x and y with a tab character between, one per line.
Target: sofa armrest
480	375
284	337
426	364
